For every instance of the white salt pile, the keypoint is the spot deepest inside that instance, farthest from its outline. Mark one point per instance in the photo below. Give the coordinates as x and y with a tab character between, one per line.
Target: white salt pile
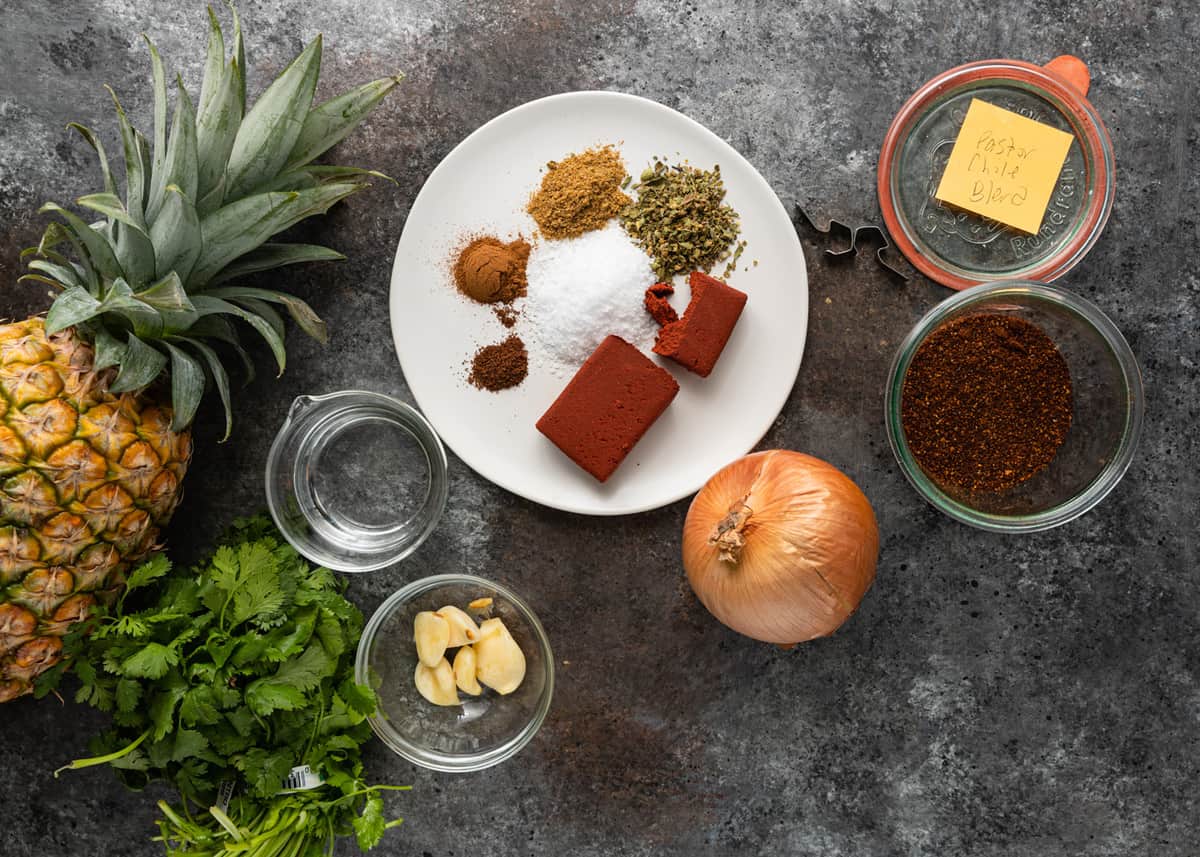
580	291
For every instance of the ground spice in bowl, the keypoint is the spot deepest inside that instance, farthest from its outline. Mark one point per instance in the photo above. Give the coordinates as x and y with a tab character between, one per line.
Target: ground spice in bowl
499	367
579	193
489	270
986	402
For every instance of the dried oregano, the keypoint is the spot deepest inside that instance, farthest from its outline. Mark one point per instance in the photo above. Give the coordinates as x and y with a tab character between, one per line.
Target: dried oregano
681	221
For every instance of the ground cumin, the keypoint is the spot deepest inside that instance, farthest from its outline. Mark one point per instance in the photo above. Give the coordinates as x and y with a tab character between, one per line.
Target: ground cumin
489	270
498	367
986	402
579	193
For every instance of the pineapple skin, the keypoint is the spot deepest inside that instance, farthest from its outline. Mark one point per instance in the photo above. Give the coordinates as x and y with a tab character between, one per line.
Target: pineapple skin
88	480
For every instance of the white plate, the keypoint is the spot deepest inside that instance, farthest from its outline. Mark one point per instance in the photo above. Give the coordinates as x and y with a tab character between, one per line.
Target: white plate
482	187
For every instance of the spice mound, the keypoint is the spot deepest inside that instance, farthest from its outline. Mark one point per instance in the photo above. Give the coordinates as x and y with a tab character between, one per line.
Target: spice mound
681	221
490	271
582	290
579	193
611	402
499	367
986	402
697	340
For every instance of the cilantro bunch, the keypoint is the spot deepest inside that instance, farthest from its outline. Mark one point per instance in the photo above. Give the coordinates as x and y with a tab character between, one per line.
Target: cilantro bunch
234	673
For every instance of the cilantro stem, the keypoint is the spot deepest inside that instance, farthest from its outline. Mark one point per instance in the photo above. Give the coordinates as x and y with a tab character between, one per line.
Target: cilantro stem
105	759
316	726
226	822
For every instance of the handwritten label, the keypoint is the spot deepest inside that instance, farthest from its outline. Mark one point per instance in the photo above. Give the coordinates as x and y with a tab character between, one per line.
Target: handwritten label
1004	166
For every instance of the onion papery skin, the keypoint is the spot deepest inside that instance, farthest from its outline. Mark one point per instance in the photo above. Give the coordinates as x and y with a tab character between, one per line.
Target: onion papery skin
808	546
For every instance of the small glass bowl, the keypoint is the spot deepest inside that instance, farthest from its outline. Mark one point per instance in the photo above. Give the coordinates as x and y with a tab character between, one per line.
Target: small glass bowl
356	481
483	730
1108	406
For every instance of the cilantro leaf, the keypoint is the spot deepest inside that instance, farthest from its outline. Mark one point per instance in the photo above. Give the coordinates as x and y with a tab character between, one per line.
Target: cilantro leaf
128	694
188	743
265	771
265	696
220	646
198	707
193	778
290	640
258	597
148	572
358	698
162	709
332	633
225	569
369	827
306	671
230	738
132	626
153	661
95	695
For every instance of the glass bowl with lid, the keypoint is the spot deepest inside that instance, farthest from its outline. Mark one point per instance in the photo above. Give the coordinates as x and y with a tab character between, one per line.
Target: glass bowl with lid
959	249
1107	409
481	731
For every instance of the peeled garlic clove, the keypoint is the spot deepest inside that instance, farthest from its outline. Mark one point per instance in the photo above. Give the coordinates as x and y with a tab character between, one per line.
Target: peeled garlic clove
491	626
499	661
464	671
432	635
463	629
437	683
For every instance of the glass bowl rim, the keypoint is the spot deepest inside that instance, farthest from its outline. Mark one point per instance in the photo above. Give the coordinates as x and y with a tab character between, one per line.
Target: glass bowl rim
422	432
432	759
1104	481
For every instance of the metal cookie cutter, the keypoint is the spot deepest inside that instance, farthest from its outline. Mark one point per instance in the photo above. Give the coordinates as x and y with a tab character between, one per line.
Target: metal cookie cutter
850	237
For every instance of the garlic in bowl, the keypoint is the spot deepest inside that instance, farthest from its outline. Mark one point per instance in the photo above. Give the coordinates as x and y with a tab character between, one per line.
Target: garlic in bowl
463	671
486	653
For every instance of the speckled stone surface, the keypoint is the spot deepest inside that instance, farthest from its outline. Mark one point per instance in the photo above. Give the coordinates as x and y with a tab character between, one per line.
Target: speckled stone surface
1001	696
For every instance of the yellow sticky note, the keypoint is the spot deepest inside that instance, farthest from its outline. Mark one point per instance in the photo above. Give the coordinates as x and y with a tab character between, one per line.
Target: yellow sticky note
1004	166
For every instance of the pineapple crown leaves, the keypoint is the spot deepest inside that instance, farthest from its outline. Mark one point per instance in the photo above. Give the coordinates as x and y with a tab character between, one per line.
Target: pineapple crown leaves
150	283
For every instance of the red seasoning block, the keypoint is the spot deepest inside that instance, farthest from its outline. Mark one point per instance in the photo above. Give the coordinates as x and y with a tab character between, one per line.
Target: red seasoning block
696	340
616	395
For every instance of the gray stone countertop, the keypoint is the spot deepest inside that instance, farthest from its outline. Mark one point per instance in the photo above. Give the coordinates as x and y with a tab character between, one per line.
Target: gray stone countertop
995	695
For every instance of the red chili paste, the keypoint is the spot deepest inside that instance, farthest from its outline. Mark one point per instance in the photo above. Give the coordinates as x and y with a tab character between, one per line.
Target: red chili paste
697	340
616	395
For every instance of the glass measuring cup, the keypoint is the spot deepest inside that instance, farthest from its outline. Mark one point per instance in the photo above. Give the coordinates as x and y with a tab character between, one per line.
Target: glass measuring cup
355	480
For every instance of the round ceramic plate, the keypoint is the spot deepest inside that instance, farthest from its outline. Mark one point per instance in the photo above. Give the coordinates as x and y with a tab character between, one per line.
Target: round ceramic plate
482	187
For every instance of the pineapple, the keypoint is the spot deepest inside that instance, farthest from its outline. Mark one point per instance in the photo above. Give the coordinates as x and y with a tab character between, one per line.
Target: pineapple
96	399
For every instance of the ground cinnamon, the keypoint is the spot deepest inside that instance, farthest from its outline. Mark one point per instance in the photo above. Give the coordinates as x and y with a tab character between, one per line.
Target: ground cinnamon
489	270
499	367
986	402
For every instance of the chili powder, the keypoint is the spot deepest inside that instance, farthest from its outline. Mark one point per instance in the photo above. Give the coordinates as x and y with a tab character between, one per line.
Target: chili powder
986	402
498	367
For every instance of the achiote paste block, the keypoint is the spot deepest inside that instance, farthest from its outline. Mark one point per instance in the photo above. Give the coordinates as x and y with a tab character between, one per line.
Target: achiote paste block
696	340
616	395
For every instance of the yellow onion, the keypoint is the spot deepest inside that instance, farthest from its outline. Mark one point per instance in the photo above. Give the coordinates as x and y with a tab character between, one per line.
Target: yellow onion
780	546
